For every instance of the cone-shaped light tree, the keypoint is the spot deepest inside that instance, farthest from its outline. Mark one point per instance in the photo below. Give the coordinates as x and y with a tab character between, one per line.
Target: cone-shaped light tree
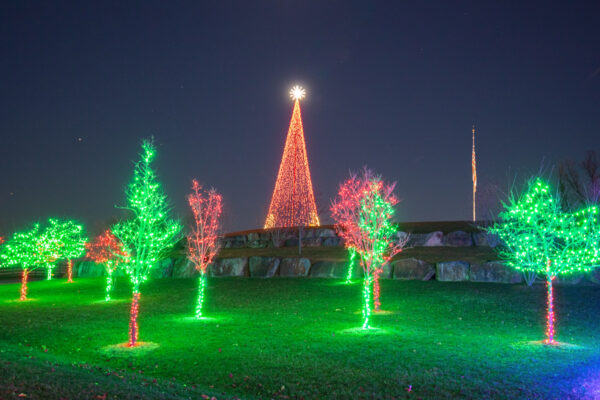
203	238
363	211
148	234
106	249
293	202
22	249
539	236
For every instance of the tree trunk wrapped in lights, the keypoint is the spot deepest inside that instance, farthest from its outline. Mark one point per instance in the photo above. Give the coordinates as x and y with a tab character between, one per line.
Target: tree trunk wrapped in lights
203	239
351	264
540	237
24	284
22	249
147	236
106	249
363	211
293	202
61	240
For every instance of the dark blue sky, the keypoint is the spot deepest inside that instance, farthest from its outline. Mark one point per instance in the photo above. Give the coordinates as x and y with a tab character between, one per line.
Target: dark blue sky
393	85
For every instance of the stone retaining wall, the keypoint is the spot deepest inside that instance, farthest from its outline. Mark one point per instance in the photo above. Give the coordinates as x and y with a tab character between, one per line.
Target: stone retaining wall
404	269
314	237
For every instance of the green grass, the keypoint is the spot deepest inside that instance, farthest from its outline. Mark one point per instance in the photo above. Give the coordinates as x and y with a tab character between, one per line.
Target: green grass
298	338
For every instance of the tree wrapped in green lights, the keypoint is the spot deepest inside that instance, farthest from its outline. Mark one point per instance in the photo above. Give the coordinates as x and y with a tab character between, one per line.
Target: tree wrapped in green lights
60	240
106	249
22	249
203	238
149	233
363	211
538	236
71	242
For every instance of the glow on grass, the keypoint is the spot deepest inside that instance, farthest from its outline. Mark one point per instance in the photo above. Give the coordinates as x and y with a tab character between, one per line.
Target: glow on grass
124	349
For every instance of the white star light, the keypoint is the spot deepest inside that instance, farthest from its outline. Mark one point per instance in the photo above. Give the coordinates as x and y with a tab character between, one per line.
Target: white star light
297	93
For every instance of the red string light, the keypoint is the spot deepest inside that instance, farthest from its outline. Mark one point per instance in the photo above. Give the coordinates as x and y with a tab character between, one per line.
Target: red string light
550	312
376	301
293	201
133	324
202	241
24	284
70	271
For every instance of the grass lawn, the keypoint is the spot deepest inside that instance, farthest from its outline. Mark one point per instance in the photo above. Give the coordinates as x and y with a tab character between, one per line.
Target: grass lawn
298	338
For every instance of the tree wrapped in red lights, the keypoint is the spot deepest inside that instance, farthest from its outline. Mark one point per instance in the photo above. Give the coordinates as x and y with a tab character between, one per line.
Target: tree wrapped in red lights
363	211
203	238
539	236
106	249
149	234
293	202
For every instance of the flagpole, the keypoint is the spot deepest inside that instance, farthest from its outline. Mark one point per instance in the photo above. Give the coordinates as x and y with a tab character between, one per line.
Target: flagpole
474	174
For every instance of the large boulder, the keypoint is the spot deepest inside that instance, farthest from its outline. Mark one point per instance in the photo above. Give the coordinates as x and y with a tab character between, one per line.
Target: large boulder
164	269
311	242
386	271
325	233
484	239
294	267
494	271
183	268
329	269
331	241
235	242
434	239
458	239
417	239
235	266
413	269
89	269
264	267
452	271
257	240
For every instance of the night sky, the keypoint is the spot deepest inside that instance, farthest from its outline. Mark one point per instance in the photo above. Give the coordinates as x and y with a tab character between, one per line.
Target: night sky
396	89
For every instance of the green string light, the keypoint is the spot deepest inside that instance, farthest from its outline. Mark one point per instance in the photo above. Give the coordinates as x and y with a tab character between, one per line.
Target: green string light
540	237
149	233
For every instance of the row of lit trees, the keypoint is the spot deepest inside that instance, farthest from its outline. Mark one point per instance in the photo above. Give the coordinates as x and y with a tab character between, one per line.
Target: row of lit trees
537	236
43	247
145	238
135	245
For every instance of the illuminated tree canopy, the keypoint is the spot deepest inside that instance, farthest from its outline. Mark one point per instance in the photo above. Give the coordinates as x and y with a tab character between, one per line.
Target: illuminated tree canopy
203	238
69	242
22	249
293	202
149	233
539	236
106	249
363	211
